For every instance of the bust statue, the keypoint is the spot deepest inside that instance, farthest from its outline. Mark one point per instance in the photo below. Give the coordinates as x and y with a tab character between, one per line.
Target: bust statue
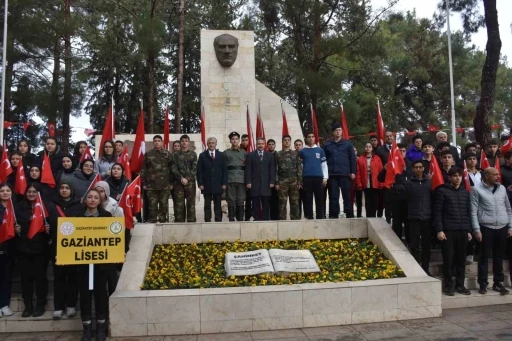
226	49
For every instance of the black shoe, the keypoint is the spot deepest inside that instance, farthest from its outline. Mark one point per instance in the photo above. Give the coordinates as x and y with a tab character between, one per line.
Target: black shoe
39	311
29	309
449	291
101	331
483	289
463	290
500	288
87	332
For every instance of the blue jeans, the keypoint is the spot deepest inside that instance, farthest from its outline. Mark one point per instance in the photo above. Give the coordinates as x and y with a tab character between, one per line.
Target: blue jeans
337	182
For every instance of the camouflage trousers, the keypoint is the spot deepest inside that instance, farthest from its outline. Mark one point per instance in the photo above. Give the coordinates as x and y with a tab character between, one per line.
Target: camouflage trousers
185	202
158	205
288	189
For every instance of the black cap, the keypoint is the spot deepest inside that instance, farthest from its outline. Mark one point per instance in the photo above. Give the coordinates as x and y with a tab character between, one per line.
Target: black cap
336	126
233	133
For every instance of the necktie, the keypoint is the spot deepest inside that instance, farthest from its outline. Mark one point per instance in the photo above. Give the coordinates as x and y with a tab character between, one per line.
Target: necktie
212	156
261	156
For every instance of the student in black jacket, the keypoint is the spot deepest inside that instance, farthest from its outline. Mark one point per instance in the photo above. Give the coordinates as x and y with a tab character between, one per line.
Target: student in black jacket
93	209
417	191
452	223
32	254
65	277
7	255
116	181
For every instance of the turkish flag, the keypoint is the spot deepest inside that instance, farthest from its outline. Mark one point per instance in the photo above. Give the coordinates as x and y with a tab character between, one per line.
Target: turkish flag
20	183
260	129
108	130
125	202
506	146
46	172
344	125
466	177
94	181
124	159
433	128
315	125
86	155
497	165
134	190
167	129
435	173
7	226
203	127
285	123
5	167
139	146
484	162
89	132
37	221
251	145
8	124
396	167
381	130
51	129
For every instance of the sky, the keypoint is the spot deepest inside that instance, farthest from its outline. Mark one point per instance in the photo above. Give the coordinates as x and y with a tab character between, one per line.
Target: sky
424	8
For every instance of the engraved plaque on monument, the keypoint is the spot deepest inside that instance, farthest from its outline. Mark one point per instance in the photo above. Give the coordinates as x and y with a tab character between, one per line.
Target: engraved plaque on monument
247	263
293	261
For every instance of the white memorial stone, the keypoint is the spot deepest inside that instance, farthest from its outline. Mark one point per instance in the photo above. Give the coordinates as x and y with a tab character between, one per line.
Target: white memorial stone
293	261
247	263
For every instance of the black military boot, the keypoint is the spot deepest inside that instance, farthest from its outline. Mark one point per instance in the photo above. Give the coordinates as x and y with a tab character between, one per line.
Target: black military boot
101	331
231	213
29	308
87	336
240	210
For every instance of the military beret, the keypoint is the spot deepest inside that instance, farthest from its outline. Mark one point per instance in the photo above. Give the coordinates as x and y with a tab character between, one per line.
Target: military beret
336	126
233	133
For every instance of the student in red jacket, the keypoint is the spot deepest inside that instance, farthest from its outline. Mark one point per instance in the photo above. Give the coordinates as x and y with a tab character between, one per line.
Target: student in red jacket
368	167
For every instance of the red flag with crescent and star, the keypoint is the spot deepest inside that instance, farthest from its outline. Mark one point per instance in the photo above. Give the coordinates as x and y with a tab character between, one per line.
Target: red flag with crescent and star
37	220
396	166
466	177
7	226
435	173
506	146
139	146
51	129
125	202
86	155
20	183
484	162
5	168
124	159
46	172
134	190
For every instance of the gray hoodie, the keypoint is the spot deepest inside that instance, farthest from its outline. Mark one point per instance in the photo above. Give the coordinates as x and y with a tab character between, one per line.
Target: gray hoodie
490	209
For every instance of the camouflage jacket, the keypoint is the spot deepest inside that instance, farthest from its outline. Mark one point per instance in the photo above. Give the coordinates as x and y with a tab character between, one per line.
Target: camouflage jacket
184	165
236	165
288	166
156	170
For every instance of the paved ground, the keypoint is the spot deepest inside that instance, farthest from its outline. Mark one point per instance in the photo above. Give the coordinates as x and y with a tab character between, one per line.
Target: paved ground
471	324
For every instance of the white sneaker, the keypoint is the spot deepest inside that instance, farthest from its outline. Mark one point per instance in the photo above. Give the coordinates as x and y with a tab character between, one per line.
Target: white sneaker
469	259
70	312
6	311
57	314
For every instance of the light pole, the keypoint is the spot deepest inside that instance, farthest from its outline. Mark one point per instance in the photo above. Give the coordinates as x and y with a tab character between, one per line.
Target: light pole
4	58
452	96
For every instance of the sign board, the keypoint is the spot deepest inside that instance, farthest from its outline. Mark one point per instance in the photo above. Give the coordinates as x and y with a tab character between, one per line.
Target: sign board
247	263
90	240
293	261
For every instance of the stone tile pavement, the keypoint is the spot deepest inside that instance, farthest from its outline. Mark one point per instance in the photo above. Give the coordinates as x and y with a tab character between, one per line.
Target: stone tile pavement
468	324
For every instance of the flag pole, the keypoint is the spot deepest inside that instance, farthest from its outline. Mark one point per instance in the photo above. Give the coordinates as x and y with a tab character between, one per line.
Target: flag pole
14	215
4	61
452	96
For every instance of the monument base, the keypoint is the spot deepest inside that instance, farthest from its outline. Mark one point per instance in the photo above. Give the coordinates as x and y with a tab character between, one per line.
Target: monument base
134	312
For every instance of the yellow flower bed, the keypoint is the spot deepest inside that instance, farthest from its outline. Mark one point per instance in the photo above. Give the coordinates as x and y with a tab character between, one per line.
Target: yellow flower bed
186	266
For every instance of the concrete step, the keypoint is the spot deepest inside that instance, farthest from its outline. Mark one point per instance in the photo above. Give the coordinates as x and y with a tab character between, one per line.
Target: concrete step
471	281
476	299
436	268
17	304
45	323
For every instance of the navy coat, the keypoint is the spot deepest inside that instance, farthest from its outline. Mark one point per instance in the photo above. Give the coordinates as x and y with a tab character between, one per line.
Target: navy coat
260	173
212	174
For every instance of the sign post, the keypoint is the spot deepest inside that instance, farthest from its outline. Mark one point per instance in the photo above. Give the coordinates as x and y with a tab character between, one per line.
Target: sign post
89	241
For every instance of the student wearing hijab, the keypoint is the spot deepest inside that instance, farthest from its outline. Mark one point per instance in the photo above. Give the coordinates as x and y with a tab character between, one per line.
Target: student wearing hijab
107	160
24	151
67	170
116	181
93	209
83	177
34	176
32	254
108	203
65	277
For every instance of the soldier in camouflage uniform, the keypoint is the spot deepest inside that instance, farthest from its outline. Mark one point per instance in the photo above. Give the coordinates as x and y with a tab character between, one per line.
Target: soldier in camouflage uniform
184	169
288	179
236	178
156	180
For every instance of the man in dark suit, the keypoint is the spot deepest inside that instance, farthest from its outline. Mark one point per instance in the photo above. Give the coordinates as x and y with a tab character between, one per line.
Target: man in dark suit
260	177
212	179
